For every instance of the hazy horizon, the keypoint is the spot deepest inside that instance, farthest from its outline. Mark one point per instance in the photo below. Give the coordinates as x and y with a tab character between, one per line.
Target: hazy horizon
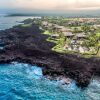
83	7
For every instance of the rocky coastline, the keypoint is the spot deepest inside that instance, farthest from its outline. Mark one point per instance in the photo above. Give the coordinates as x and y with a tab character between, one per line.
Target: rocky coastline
29	45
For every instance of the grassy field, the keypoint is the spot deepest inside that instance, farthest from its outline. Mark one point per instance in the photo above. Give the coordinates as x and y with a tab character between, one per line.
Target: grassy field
59	47
46	32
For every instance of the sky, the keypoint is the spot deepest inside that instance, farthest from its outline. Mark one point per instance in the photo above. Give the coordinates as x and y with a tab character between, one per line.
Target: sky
51	5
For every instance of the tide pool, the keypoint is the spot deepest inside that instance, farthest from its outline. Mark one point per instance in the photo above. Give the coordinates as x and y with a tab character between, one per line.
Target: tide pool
20	81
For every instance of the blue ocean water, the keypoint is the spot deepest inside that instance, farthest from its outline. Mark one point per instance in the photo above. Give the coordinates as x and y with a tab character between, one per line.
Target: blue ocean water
20	81
8	22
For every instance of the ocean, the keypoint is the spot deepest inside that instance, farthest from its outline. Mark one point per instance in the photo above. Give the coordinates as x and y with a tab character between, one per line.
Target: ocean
10	21
20	81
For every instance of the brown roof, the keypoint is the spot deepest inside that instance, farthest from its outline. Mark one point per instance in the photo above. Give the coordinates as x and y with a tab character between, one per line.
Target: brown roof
68	34
56	35
81	35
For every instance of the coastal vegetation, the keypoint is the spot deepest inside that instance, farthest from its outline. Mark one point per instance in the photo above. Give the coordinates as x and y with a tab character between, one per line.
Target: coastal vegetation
78	35
70	35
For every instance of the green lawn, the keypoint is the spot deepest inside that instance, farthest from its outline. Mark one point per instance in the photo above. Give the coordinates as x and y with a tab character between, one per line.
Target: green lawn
24	25
59	44
47	32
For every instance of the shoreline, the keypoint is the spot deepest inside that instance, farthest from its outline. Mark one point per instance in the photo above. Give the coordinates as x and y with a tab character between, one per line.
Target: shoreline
29	45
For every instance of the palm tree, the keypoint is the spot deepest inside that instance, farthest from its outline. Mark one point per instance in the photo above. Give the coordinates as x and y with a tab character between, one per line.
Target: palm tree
93	40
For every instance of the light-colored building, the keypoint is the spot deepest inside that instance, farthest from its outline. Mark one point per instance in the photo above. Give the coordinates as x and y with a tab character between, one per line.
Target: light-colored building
80	36
68	34
55	35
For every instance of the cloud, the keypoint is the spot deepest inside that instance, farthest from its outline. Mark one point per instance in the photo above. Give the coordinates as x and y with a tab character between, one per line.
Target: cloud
51	4
80	5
